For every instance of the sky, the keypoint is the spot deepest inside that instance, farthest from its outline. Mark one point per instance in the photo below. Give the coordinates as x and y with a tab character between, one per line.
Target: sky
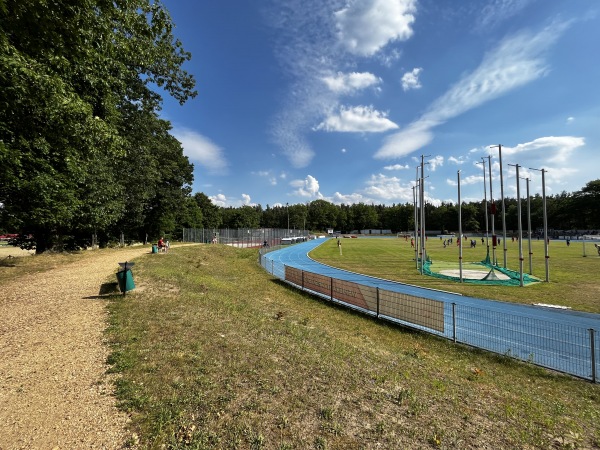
342	100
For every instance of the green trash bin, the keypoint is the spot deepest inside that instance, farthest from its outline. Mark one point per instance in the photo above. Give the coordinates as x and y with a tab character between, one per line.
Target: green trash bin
154	248
125	279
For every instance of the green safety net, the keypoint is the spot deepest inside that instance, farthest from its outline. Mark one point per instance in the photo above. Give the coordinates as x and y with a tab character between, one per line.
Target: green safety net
490	279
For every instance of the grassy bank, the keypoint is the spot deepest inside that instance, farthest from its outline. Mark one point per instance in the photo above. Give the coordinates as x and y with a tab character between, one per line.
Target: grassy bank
215	353
574	279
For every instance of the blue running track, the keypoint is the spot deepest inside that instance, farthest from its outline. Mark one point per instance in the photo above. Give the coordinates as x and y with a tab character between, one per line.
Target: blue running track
563	340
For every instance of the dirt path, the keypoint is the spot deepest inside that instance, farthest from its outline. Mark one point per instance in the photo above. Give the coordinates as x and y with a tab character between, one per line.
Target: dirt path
54	390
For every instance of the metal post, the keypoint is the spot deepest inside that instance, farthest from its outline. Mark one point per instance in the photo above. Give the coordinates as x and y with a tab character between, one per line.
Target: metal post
460	236
519	227
423	254
377	292
503	205
485	205
492	214
416	225
529	228
593	349
454	322
547	257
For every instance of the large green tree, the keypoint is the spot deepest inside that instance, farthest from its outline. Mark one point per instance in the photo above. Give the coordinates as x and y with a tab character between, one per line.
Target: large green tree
71	72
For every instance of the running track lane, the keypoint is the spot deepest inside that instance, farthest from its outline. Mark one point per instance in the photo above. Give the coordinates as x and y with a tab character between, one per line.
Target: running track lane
553	338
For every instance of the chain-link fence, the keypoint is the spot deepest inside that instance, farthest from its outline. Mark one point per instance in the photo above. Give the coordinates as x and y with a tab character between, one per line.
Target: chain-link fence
244	237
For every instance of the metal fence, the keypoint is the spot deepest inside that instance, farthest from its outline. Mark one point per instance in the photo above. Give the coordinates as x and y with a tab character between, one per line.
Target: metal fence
566	348
243	237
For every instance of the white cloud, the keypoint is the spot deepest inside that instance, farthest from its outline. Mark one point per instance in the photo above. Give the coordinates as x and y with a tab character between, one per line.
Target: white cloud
219	200
458	161
246	200
349	83
362	119
309	187
201	150
435	162
344	150
570	119
396	167
410	80
223	201
348	199
547	150
366	26
387	188
516	61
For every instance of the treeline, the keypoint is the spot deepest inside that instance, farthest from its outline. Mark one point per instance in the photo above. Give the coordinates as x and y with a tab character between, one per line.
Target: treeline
82	148
566	211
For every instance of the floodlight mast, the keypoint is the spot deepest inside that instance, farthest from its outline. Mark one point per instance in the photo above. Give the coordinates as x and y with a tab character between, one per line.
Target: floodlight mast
487	240
503	206
423	253
529	226
492	214
460	240
415	189
519	226
546	256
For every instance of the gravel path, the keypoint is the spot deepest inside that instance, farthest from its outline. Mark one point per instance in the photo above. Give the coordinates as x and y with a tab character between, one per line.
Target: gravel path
54	390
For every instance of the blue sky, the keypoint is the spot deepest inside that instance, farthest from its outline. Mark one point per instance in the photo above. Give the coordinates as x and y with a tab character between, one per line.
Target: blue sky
301	100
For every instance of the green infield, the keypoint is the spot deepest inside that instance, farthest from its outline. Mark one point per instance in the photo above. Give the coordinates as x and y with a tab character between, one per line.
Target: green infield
573	278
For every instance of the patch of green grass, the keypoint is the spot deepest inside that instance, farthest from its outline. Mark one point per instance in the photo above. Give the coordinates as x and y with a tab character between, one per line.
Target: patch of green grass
573	278
215	353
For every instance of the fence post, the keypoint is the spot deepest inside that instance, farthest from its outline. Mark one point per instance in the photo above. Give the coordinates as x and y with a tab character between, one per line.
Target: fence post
377	291
303	280
593	348
331	288
454	322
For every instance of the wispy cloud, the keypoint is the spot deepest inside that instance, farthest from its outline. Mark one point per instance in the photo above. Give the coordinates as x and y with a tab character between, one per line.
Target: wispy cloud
314	41
410	80
362	119
516	61
498	11
201	150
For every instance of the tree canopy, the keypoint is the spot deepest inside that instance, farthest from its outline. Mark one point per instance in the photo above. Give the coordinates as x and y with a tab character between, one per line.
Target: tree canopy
82	148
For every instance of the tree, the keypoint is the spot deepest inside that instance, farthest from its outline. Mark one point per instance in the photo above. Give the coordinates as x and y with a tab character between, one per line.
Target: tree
211	214
69	71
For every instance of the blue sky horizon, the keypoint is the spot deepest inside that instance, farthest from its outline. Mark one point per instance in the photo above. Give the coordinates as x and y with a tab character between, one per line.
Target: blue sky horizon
300	100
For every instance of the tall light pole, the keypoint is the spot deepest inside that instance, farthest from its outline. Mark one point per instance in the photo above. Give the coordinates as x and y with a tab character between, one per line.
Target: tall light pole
460	237
423	253
487	241
492	214
416	219
287	208
502	196
547	257
519	227
529	227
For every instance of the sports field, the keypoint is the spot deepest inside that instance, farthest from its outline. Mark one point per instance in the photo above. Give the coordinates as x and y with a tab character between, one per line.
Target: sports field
573	279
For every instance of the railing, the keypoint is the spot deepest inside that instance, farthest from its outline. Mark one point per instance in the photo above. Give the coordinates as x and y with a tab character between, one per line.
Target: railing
565	348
